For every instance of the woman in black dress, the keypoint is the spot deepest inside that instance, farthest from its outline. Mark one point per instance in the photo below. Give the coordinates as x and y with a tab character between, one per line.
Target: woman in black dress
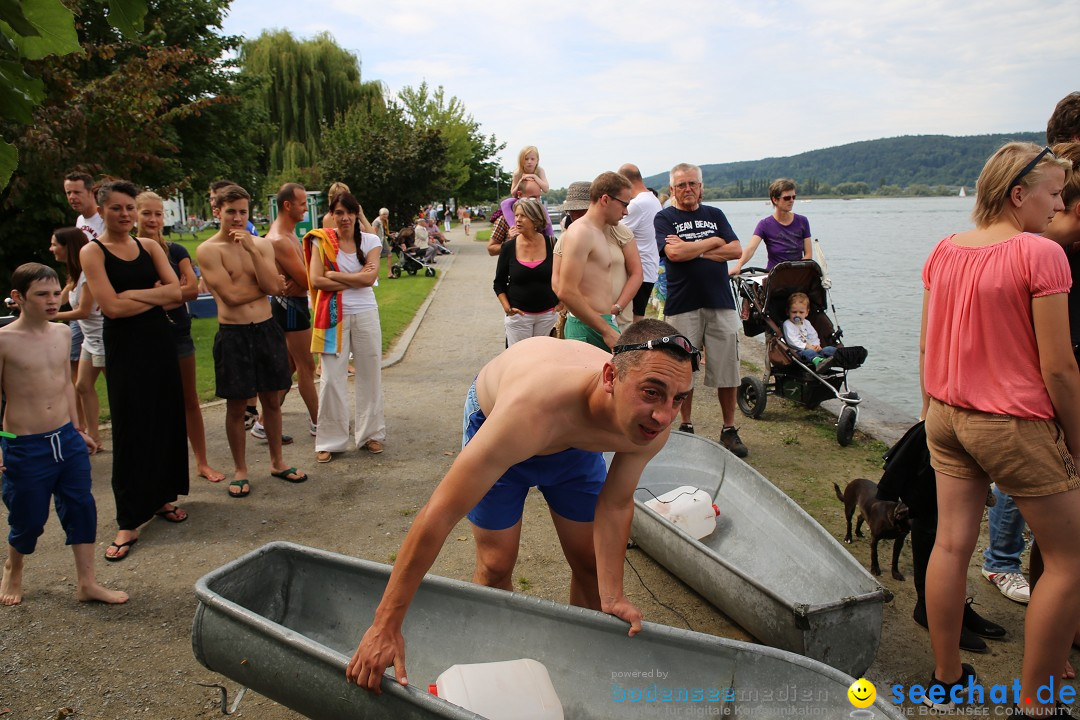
132	282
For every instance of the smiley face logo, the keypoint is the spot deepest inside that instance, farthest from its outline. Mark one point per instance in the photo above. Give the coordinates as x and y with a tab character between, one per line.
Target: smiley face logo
862	693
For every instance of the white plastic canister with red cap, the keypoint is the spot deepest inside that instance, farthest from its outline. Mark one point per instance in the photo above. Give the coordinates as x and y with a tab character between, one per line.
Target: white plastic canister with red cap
688	508
509	690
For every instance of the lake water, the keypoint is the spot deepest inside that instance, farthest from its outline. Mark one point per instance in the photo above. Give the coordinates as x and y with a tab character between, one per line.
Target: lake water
875	250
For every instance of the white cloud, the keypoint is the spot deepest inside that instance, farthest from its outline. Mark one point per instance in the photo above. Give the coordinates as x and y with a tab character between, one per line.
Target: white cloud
594	84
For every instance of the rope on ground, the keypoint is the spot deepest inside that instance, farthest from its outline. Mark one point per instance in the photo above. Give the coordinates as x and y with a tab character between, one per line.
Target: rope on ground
658	601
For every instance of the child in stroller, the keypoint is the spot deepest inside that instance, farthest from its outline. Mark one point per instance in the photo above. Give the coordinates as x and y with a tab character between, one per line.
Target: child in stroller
801	335
790	368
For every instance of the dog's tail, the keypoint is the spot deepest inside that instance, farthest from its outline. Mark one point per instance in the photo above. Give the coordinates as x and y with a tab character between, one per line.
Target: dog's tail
839	495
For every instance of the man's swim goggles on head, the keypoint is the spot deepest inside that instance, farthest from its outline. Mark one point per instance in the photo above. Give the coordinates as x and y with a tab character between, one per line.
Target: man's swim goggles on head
671	341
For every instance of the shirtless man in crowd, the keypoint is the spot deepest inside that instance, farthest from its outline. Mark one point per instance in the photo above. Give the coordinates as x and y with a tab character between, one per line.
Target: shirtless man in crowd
577	402
290	309
250	356
584	282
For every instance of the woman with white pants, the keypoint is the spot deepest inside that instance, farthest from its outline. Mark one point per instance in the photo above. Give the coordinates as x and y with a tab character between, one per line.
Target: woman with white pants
343	265
523	275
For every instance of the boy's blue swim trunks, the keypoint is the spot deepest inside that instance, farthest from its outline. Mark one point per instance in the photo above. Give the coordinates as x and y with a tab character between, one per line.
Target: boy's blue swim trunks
570	480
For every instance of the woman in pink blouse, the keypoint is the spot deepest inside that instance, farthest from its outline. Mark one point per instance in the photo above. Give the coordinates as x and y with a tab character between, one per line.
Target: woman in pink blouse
1001	398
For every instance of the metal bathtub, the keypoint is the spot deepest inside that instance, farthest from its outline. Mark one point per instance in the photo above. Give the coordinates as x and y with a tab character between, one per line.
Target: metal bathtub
285	619
768	566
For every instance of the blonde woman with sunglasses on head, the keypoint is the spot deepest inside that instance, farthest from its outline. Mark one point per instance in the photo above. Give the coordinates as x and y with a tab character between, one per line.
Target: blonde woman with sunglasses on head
1001	398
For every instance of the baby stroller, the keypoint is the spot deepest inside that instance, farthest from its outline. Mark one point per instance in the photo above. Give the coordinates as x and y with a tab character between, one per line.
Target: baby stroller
763	296
411	260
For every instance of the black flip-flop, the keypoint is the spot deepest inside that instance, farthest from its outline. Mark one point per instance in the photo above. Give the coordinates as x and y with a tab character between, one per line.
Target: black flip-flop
284	475
164	515
117	558
240	484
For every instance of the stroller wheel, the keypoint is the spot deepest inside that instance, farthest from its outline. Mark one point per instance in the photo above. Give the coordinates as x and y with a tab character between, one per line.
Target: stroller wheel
845	426
429	272
752	397
395	270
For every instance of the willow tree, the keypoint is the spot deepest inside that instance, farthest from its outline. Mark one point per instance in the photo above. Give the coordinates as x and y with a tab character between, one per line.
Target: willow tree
306	85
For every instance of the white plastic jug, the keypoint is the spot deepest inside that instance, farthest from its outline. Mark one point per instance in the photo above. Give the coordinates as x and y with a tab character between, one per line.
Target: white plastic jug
509	690
689	508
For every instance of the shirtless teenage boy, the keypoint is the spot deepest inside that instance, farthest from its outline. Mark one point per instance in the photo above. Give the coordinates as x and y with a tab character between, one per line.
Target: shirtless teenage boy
577	402
290	309
48	456
250	356
584	282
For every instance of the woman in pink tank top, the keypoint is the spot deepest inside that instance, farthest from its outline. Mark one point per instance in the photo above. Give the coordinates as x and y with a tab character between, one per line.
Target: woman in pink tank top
1001	398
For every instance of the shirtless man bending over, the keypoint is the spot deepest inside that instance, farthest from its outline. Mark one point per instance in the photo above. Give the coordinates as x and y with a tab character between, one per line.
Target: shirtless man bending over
249	351
584	282
577	402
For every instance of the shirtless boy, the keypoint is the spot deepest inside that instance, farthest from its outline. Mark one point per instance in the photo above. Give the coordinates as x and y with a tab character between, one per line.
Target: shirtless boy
290	309
250	356
47	455
584	282
577	402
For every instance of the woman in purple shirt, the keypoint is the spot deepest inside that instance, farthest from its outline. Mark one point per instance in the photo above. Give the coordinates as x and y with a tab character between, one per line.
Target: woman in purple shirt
786	235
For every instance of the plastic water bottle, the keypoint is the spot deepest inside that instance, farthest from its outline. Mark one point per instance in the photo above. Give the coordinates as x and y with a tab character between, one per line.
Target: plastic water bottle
509	690
688	508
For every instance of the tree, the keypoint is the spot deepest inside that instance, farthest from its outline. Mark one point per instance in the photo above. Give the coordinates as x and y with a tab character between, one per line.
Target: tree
431	110
304	86
165	113
32	30
385	160
486	176
471	166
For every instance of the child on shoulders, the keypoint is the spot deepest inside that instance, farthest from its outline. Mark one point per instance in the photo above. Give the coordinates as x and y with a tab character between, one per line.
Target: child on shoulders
529	169
44	454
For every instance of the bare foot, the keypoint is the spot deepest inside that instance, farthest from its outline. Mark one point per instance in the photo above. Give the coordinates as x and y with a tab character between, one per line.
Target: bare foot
11	585
96	593
205	471
1069	672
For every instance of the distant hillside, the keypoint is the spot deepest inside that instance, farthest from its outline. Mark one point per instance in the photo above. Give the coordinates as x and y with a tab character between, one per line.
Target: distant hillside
892	165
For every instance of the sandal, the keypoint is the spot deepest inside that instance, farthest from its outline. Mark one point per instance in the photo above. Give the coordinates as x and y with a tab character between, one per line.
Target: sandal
176	515
117	557
323	456
288	475
239	484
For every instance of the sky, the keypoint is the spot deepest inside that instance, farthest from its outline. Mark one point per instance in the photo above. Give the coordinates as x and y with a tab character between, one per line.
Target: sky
595	83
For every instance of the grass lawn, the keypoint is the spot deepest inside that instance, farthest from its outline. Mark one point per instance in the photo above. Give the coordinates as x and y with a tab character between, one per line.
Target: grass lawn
482	236
398	302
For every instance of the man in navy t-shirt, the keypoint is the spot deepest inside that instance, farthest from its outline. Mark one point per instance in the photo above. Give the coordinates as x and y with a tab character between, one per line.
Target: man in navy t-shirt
697	241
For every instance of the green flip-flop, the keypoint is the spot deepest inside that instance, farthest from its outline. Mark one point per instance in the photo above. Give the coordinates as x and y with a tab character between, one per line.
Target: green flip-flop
240	484
288	472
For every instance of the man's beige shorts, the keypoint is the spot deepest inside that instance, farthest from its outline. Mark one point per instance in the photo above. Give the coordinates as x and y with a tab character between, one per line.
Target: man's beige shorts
716	332
1027	458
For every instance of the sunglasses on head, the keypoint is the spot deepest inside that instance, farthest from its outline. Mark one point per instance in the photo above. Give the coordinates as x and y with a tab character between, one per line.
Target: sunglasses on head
1031	166
671	341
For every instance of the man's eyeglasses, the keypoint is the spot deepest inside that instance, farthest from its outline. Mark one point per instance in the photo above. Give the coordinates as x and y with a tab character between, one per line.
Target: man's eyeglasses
687	184
786	198
671	341
1031	166
622	202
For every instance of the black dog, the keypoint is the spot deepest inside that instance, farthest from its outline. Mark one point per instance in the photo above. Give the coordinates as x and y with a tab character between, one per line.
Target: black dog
886	520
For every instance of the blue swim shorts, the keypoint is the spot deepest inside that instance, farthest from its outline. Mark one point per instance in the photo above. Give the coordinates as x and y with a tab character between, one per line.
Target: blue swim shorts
41	467
570	480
